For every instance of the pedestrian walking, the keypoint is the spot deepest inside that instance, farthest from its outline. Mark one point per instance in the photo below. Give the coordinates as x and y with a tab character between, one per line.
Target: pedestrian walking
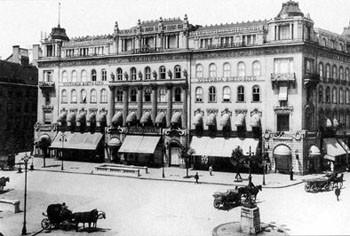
196	176
291	173
337	193
211	170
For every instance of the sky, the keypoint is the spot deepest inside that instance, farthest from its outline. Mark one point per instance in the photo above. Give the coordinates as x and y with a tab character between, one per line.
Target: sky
22	22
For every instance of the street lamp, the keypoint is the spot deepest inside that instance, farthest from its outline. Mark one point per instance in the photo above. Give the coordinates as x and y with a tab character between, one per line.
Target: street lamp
25	159
163	163
264	168
249	165
63	139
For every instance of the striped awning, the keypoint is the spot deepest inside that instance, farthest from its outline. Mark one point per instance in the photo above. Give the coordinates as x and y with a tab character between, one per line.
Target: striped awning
62	118
225	120
117	119
240	120
198	119
211	120
160	119
92	117
146	118
176	118
131	118
139	144
101	118
81	117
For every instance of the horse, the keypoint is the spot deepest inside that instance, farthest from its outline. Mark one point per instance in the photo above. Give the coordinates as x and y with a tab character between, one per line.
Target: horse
3	181
85	217
100	215
248	191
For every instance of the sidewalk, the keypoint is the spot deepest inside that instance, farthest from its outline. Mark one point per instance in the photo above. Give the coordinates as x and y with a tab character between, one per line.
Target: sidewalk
272	180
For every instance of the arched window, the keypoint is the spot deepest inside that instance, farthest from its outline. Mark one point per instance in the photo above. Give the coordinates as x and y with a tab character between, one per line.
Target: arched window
321	71
93	96
241	69
328	95
119	74
226	94
177	70
104	75
83	76
64	76
133	95
240	94
83	96
147	73
199	94
212	94
162	95
212	70
162	72
103	98
256	93
347	96
147	94
347	75
256	68
341	96
324	42
320	94
133	73
227	70
73	96
341	73
119	95
74	76
334	72
93	75
199	71
328	71
64	97
334	95
177	95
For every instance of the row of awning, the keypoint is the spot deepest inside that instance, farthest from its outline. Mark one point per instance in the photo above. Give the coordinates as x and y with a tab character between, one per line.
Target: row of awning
81	117
76	140
146	118
335	147
225	120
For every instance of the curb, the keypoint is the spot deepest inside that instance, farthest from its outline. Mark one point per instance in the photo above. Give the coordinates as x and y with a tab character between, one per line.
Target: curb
165	179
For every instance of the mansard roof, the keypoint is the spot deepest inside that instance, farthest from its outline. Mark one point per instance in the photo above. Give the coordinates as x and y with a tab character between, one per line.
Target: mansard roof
59	33
290	9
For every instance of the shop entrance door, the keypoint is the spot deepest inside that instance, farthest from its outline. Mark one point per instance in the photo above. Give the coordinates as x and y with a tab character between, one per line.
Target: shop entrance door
175	156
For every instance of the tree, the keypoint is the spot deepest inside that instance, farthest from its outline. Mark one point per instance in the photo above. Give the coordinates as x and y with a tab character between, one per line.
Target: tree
237	159
187	152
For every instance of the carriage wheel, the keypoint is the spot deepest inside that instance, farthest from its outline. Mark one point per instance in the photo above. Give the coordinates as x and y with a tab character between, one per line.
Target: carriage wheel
216	204
45	223
314	188
307	187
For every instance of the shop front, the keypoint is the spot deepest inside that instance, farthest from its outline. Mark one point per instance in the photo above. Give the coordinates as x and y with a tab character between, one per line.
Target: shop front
335	155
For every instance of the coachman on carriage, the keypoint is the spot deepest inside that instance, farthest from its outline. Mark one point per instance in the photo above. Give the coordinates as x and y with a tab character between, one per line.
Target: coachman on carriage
325	183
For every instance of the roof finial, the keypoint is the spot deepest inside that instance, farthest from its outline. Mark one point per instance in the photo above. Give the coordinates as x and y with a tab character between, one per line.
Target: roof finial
59	14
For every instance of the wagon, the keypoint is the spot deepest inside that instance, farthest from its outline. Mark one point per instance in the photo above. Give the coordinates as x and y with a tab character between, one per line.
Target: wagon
318	184
58	217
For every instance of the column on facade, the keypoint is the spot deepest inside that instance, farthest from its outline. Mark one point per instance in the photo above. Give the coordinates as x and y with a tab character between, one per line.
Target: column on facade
154	102
161	44
111	104
139	102
155	41
122	45
177	40
125	103
166	42
184	100
290	31
169	104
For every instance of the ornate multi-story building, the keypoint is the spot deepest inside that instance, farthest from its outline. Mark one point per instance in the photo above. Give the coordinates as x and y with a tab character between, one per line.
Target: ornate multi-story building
18	102
278	89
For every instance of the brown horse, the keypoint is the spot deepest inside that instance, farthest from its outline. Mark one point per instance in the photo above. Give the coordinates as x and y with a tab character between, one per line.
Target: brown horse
85	217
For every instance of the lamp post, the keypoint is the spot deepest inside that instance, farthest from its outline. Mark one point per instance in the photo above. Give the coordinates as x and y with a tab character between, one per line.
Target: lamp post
25	159
264	169
249	164
163	163
63	139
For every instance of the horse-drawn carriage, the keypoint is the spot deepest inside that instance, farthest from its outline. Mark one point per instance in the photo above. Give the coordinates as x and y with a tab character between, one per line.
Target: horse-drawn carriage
7	162
60	217
223	200
325	183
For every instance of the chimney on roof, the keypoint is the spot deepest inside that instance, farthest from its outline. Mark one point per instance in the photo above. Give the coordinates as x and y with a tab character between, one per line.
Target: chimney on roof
15	54
36	50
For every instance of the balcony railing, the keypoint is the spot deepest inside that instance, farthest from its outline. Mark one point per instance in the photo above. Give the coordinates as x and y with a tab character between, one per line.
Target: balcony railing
45	84
288	78
147	50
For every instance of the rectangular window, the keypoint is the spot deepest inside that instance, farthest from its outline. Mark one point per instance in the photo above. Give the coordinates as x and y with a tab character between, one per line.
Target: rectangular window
48	76
282	122
284	32
47	117
283	66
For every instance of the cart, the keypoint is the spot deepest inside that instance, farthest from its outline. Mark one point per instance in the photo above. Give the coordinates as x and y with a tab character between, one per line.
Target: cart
318	184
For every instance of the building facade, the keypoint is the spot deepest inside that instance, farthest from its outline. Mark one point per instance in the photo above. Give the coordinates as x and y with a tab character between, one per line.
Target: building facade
18	102
165	90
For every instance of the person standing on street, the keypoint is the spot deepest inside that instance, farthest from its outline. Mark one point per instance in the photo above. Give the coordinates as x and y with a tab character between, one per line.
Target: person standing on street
337	193
211	170
196	176
291	173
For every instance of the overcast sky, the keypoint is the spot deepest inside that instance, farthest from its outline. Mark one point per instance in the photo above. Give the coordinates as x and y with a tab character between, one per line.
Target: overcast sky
22	21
